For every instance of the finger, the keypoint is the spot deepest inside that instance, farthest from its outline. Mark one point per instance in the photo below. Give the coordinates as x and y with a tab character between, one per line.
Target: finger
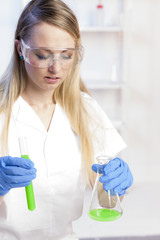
121	189
6	187
19	179
120	186
111	175
120	193
125	184
111	184
18	171
112	165
98	168
121	170
17	185
19	162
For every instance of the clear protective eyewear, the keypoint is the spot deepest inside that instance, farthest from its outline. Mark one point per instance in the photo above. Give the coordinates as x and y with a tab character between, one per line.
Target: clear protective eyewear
46	57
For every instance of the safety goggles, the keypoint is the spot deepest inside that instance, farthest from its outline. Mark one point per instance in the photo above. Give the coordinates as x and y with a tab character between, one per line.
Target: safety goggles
45	57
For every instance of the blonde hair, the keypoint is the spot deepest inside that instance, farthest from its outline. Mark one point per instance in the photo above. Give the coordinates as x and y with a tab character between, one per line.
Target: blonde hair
68	94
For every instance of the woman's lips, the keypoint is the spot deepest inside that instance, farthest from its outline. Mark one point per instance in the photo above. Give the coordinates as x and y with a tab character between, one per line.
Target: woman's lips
52	79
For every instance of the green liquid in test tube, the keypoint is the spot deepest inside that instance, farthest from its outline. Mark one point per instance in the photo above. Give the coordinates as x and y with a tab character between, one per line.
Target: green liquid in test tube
29	189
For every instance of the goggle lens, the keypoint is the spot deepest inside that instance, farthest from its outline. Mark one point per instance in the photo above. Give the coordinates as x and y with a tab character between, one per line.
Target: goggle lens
45	57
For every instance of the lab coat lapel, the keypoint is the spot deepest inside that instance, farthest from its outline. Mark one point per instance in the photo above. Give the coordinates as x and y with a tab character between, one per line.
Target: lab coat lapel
23	113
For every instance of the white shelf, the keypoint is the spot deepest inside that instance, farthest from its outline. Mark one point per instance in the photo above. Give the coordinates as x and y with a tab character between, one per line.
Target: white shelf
90	29
104	84
107	44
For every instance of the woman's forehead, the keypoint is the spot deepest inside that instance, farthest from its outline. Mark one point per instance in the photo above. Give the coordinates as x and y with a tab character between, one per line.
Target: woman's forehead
49	36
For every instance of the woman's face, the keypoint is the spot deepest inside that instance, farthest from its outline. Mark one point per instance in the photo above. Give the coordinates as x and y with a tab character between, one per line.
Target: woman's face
47	36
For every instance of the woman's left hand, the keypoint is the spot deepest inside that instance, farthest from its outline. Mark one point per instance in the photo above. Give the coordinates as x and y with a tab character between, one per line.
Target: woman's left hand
116	176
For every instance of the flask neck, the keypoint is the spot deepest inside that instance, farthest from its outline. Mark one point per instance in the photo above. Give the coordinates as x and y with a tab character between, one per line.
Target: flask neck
103	159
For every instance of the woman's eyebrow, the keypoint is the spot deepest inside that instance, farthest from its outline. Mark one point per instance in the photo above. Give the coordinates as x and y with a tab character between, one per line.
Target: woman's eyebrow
51	50
44	50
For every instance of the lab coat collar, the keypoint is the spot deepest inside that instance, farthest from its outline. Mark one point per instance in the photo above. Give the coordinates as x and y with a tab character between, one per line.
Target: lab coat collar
24	113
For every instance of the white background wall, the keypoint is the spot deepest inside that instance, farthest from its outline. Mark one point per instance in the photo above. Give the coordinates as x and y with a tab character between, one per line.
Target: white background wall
9	13
144	87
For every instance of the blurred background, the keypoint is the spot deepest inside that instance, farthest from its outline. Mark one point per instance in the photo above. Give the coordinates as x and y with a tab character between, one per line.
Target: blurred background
121	69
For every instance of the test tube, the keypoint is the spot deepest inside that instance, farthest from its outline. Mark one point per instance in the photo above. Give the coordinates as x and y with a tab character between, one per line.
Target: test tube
28	189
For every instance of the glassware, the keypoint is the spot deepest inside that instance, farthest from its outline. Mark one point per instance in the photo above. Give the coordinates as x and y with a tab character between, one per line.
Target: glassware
29	189
104	206
45	57
100	14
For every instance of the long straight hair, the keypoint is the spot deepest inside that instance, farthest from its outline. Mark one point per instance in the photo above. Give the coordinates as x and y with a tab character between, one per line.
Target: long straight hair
68	94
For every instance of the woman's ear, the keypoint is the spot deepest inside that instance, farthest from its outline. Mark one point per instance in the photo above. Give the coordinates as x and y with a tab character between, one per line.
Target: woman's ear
18	46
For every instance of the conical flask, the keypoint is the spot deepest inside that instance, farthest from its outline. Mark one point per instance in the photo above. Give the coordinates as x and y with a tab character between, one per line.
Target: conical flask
104	206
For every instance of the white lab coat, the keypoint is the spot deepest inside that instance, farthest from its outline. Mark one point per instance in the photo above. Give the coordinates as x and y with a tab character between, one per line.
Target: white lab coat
59	186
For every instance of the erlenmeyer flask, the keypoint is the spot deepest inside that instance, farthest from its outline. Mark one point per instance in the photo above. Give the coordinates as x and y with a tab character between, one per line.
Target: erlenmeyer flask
104	206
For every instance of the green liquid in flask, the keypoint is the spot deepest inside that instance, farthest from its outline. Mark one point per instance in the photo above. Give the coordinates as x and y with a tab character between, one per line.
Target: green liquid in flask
104	214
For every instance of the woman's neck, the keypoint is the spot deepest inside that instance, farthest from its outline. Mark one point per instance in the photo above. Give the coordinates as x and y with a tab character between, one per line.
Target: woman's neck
39	99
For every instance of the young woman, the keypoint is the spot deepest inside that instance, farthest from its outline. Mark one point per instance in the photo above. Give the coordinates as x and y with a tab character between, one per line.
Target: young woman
43	98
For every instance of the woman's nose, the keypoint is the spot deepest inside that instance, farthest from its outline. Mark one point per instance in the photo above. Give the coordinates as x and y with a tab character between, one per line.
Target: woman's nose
55	67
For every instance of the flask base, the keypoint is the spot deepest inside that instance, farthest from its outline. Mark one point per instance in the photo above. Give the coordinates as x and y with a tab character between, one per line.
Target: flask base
104	214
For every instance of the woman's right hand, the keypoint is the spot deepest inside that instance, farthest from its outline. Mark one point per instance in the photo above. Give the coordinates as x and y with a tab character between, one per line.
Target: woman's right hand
15	172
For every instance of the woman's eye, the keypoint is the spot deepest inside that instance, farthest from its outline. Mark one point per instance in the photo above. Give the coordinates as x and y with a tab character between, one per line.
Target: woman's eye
65	56
40	57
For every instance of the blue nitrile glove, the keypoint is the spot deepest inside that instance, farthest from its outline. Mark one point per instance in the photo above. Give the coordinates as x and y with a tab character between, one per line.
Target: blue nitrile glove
116	176
15	172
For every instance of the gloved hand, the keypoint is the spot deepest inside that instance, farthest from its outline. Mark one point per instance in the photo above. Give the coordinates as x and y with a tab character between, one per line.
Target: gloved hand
116	176
15	172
